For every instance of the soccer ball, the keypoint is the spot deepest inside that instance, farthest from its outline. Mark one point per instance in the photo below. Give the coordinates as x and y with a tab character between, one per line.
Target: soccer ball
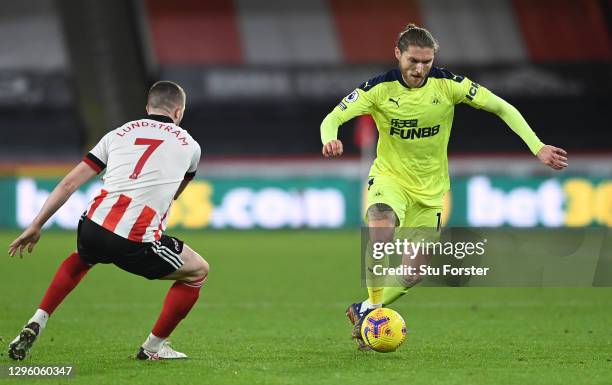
384	330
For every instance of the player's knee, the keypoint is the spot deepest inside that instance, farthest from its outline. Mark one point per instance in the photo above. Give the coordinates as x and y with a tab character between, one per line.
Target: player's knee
381	222
200	270
196	268
381	215
204	268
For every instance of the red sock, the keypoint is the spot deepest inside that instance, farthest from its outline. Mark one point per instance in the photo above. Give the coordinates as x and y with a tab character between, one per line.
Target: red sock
69	274
180	299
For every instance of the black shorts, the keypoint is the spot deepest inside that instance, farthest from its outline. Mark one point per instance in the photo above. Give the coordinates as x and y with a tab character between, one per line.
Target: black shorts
151	260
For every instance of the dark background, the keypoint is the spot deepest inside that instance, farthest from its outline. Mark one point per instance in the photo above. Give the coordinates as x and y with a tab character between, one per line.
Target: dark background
261	75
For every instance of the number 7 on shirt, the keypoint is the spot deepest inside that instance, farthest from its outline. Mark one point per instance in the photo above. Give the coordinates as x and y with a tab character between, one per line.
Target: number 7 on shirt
153	144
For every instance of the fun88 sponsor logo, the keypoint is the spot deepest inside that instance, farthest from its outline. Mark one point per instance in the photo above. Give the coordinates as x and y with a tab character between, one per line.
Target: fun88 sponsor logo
407	129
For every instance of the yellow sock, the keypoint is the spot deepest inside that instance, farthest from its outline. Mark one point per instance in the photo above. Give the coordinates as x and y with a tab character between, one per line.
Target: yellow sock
375	296
393	293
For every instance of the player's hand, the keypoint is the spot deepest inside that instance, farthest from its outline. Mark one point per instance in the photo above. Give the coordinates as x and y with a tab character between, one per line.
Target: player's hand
28	239
333	148
553	157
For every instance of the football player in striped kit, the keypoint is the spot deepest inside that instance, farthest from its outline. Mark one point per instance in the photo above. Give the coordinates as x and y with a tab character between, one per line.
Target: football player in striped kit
148	162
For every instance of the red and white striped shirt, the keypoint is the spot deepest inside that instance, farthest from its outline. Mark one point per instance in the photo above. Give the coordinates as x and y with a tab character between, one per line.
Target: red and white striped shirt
146	160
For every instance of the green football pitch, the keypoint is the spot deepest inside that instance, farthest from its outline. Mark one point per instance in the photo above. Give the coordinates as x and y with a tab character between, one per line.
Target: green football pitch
272	312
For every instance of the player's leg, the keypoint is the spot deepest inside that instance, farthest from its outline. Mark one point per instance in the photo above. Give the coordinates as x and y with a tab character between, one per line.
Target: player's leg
381	227
181	297
422	224
67	277
384	202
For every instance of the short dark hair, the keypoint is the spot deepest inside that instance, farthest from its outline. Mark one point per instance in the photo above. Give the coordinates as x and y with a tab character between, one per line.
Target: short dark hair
418	36
166	94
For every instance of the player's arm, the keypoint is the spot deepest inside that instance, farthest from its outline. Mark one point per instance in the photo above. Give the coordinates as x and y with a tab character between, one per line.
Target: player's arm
181	188
358	102
93	163
190	174
551	156
466	91
71	182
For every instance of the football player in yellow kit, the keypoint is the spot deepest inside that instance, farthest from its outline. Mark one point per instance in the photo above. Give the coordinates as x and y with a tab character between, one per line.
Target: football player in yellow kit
413	107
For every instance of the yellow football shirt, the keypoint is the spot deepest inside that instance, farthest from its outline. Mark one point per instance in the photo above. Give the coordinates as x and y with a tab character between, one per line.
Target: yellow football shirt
414	126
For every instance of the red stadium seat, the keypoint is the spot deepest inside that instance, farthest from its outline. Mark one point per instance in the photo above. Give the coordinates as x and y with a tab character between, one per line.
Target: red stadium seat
562	30
194	32
367	30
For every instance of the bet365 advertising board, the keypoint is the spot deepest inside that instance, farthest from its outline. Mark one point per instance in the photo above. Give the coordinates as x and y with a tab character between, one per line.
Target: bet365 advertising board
329	203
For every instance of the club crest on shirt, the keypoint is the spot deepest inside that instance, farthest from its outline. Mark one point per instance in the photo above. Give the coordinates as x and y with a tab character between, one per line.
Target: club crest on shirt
458	78
352	97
